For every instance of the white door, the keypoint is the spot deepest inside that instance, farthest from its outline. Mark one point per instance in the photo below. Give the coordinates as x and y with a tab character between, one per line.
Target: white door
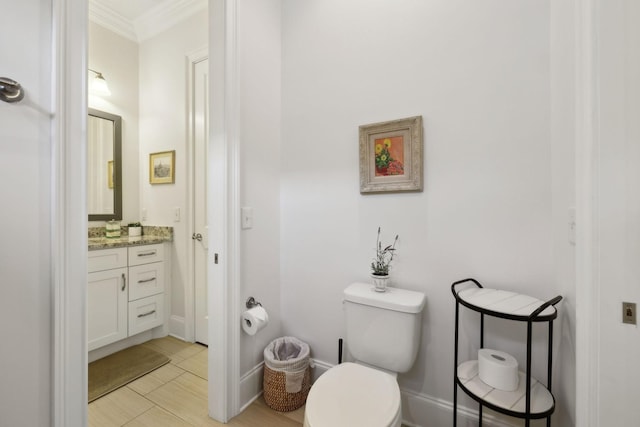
201	130
26	147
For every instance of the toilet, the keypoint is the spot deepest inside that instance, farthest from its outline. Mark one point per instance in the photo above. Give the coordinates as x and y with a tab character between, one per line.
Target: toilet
383	336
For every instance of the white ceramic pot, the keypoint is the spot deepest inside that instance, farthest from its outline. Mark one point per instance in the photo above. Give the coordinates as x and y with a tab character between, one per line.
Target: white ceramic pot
380	283
135	231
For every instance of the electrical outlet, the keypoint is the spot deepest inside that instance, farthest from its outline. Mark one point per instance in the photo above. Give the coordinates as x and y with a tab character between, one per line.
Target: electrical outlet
629	313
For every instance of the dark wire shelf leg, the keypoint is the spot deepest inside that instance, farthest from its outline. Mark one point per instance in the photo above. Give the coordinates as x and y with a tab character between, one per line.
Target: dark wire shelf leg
550	363
455	370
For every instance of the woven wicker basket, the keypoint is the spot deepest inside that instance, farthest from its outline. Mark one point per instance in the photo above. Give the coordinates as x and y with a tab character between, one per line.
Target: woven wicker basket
275	394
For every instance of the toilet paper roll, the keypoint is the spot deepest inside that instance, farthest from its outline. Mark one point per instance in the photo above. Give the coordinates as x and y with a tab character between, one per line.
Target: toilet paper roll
498	369
254	319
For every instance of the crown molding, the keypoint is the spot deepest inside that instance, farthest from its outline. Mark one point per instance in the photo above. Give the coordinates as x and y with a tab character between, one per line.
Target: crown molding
166	15
111	20
154	21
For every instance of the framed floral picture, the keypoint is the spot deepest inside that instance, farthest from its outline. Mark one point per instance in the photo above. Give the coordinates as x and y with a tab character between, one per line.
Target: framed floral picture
391	156
162	167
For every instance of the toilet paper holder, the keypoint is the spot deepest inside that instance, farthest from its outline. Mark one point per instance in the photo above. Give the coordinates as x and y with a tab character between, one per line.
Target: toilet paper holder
251	302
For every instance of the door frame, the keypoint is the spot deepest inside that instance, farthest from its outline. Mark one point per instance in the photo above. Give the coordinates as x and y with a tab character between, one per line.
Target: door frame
587	201
189	328
69	213
223	202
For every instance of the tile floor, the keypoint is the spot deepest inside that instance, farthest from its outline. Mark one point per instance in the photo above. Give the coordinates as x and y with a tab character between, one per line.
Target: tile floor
175	395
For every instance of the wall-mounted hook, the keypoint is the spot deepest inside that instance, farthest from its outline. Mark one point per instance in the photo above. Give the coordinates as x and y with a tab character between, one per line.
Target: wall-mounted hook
10	90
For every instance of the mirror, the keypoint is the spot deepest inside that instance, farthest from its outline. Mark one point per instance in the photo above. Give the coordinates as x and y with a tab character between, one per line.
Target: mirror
104	166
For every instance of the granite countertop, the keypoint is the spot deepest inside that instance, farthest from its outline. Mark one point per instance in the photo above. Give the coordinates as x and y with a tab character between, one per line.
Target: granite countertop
150	236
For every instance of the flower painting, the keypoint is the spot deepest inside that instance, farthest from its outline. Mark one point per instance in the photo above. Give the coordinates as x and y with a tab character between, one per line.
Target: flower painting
391	156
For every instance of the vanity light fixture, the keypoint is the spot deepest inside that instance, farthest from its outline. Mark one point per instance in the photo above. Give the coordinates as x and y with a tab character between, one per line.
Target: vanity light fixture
99	84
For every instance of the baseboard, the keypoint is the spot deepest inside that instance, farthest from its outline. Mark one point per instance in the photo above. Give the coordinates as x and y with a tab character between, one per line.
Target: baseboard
319	368
251	386
177	327
421	410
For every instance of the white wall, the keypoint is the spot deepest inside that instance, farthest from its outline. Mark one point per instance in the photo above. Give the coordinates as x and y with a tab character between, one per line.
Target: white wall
479	74
116	58
163	127
259	94
619	209
26	248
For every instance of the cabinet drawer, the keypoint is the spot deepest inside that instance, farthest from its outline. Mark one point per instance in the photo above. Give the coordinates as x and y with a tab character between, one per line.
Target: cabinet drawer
106	259
146	280
146	254
146	313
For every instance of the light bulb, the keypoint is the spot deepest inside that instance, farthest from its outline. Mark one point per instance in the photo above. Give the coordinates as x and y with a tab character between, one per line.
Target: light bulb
99	86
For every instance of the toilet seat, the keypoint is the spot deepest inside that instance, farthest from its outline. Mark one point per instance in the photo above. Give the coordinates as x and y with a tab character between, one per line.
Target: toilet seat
352	395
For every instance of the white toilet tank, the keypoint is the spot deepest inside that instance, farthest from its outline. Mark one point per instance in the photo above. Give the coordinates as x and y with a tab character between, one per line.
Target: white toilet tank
383	328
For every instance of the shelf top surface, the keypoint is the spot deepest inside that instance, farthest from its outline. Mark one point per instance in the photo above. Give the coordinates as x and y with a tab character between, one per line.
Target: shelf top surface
504	302
541	398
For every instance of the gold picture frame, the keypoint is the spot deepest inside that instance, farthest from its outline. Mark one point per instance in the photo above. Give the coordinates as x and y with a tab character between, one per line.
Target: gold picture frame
391	156
162	167
110	179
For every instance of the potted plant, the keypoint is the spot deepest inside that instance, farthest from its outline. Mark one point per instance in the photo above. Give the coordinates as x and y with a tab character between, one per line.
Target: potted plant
135	229
381	263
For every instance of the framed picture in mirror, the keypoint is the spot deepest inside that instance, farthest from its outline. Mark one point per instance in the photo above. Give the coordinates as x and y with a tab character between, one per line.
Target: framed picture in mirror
110	174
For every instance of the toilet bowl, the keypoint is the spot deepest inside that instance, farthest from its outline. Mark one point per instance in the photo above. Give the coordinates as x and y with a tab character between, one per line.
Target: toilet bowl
352	395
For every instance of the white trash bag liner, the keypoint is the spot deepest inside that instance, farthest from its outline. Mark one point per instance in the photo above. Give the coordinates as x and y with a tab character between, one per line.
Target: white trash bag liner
291	356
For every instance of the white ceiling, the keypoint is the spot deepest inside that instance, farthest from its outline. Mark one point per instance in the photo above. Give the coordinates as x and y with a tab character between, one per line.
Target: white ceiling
131	9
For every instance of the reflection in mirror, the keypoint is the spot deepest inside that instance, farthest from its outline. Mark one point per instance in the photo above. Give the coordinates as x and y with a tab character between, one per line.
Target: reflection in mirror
104	166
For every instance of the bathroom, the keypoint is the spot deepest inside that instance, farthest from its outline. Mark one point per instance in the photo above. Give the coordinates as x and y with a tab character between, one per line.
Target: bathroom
494	85
304	195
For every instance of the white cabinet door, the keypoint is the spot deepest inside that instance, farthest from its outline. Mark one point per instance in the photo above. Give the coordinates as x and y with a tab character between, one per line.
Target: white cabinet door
107	307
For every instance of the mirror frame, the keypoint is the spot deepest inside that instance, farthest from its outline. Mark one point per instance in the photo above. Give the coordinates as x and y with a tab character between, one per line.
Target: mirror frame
117	157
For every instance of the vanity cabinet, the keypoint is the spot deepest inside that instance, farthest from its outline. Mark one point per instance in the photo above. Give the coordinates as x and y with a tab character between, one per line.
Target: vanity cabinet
126	289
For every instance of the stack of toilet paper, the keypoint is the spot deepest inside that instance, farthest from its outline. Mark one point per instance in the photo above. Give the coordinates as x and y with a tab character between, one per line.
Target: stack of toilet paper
498	369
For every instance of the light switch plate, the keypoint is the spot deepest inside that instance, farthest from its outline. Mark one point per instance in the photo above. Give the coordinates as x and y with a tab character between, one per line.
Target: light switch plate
572	226
247	217
629	313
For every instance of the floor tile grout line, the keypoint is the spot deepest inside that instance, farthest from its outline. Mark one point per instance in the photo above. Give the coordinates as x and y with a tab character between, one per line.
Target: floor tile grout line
135	418
169	410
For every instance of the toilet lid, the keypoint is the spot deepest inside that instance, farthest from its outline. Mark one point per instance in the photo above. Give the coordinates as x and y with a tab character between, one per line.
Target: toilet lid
351	395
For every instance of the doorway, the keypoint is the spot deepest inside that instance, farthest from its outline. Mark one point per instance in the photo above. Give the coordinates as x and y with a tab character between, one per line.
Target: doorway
199	131
69	262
